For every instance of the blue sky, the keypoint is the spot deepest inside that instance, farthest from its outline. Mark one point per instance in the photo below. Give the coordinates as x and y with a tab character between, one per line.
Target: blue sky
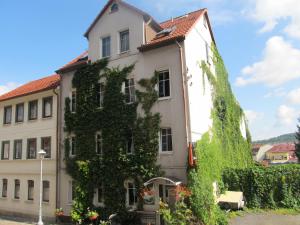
258	39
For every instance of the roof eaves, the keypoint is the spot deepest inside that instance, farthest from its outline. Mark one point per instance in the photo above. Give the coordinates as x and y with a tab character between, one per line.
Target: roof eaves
163	43
72	67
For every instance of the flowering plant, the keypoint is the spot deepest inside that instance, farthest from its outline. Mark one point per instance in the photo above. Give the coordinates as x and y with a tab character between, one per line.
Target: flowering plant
92	215
59	212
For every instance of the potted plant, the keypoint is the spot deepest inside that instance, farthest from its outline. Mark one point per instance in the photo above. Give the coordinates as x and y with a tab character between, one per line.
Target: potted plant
59	212
92	215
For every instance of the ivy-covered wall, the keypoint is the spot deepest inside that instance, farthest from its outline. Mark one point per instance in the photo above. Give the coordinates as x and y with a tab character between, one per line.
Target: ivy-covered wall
221	147
118	122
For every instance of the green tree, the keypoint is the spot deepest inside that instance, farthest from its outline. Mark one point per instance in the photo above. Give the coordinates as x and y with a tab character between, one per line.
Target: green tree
297	143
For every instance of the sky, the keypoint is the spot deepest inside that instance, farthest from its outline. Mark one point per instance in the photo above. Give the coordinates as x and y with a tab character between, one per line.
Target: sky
259	41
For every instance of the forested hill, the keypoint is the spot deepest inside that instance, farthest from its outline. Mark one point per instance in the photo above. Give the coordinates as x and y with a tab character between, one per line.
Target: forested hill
285	138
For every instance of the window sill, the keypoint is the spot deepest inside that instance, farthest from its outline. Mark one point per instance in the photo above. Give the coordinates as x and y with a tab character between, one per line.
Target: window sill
29	201
32	120
3	198
166	153
15	199
46	203
47	118
19	122
7	124
164	98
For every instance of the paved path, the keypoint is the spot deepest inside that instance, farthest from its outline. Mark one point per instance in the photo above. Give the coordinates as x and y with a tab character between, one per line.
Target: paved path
266	219
18	221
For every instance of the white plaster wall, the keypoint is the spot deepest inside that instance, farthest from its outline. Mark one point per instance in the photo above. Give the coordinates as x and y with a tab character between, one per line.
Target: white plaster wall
199	90
28	169
110	24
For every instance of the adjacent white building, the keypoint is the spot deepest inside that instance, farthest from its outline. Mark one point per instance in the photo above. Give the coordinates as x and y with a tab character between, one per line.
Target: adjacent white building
28	123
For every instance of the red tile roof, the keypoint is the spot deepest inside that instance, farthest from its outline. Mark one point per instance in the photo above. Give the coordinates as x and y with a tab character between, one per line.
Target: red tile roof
32	87
288	147
78	61
182	25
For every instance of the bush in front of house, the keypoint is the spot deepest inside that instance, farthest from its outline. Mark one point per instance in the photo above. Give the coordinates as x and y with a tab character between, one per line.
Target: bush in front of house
266	187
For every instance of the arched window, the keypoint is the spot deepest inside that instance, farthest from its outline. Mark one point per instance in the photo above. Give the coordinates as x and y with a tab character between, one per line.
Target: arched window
114	7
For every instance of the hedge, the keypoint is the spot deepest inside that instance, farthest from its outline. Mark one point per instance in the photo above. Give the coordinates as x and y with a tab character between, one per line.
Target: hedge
266	187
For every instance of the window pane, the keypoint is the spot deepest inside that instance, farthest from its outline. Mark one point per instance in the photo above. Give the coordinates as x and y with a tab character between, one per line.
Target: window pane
46	146
20	113
47	107
31	149
33	110
163	84
106	47
99	144
5	149
7	114
129	91
18	149
4	188
30	189
17	189
124	41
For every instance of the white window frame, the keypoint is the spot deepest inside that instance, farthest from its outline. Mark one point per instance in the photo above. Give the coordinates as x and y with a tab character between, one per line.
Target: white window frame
127	194
102	46
100	92
70	192
73	93
101	143
160	141
129	86
120	41
2	188
96	196
17	192
157	85
28	191
46	191
71	138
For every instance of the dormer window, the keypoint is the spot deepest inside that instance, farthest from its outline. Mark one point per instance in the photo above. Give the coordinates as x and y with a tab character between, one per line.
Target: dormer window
114	8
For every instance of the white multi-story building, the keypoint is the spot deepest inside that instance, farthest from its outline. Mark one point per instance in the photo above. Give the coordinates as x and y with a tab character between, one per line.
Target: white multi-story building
175	48
28	123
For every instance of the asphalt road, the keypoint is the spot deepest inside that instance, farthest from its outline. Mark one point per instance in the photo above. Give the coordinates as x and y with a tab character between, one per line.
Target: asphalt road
266	219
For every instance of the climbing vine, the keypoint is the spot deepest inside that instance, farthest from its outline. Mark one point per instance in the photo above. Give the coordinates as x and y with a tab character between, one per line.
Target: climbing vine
118	122
223	146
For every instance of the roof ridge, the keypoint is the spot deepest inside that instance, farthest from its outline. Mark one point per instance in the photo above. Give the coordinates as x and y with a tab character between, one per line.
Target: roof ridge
177	17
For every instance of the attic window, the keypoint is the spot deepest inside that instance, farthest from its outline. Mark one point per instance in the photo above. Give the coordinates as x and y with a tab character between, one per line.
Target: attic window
165	32
114	8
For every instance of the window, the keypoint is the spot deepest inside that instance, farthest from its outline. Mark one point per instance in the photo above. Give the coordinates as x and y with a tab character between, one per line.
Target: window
73	146
105	47
46	146
99	144
131	194
33	110
30	190
31	148
5	150
124	41
46	191
164	84
166	140
207	52
47	107
129	145
100	94
114	7
100	194
4	188
7	114
17	189
20	113
18	149
129	91
73	101
71	192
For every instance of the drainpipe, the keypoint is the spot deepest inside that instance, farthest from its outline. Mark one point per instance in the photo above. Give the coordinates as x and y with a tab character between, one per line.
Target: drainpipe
58	106
185	96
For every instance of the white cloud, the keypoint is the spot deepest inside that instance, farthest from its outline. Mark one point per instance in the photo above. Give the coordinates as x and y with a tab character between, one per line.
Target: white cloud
279	65
278	92
272	12
286	115
253	116
293	96
8	87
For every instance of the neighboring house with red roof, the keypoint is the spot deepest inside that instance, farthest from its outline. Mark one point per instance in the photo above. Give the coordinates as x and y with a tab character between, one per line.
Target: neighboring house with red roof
28	123
282	154
175	49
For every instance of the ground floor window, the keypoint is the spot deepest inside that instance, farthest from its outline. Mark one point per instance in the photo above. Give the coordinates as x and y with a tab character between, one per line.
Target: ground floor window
17	189
30	189
131	194
4	188
166	140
